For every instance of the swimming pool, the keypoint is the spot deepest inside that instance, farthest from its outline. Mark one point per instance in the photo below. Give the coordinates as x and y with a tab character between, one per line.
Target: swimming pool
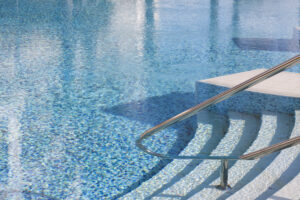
80	80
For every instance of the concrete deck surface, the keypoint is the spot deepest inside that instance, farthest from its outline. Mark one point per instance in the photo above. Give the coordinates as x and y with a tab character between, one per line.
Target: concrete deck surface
283	84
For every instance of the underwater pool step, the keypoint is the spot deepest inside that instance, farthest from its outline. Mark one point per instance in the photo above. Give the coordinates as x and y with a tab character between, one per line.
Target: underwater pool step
182	182
211	128
275	175
241	133
290	190
274	128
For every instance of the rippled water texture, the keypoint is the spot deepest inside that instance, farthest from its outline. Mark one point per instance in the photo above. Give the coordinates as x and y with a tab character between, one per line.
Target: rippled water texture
80	80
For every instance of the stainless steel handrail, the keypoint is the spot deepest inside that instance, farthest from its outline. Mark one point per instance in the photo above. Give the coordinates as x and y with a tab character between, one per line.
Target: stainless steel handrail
271	149
216	99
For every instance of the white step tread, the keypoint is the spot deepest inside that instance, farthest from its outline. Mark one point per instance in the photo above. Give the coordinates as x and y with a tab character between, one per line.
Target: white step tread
290	190
231	143
243	171
211	128
272	174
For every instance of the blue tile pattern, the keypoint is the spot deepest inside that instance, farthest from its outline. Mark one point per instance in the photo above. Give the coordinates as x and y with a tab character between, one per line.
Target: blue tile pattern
80	80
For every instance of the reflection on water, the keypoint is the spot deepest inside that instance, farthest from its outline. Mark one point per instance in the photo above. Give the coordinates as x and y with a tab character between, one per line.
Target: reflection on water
267	44
15	180
80	80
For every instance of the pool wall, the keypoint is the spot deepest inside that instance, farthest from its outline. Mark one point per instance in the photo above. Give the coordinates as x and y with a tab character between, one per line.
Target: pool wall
246	101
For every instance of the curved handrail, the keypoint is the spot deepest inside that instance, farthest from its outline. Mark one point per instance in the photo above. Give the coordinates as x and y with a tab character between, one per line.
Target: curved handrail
271	149
216	99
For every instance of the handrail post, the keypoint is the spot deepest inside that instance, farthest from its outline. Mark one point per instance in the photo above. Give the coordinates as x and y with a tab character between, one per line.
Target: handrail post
223	175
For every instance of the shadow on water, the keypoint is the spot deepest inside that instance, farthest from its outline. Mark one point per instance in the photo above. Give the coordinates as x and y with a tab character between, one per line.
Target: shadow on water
267	44
155	110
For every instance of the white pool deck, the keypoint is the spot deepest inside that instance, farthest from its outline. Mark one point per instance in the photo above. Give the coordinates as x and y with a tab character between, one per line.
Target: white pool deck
282	84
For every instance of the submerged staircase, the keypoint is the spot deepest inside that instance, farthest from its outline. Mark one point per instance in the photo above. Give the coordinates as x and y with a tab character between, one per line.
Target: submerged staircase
257	118
196	179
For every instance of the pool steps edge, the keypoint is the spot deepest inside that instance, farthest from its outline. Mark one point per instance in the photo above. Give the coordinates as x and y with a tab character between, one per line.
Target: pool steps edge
273	177
241	133
251	102
213	125
242	172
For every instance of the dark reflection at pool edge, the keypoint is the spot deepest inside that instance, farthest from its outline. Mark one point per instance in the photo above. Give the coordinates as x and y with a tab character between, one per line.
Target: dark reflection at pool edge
267	44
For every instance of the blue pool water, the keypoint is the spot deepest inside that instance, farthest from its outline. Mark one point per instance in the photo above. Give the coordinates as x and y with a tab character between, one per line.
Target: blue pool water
81	80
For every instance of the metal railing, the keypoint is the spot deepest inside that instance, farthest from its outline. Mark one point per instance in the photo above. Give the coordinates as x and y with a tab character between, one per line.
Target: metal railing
216	99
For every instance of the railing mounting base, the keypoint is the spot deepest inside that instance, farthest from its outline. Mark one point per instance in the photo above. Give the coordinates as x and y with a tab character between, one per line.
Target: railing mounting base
220	187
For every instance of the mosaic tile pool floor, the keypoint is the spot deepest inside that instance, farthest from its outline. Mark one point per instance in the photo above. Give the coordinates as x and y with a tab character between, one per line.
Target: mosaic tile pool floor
80	80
